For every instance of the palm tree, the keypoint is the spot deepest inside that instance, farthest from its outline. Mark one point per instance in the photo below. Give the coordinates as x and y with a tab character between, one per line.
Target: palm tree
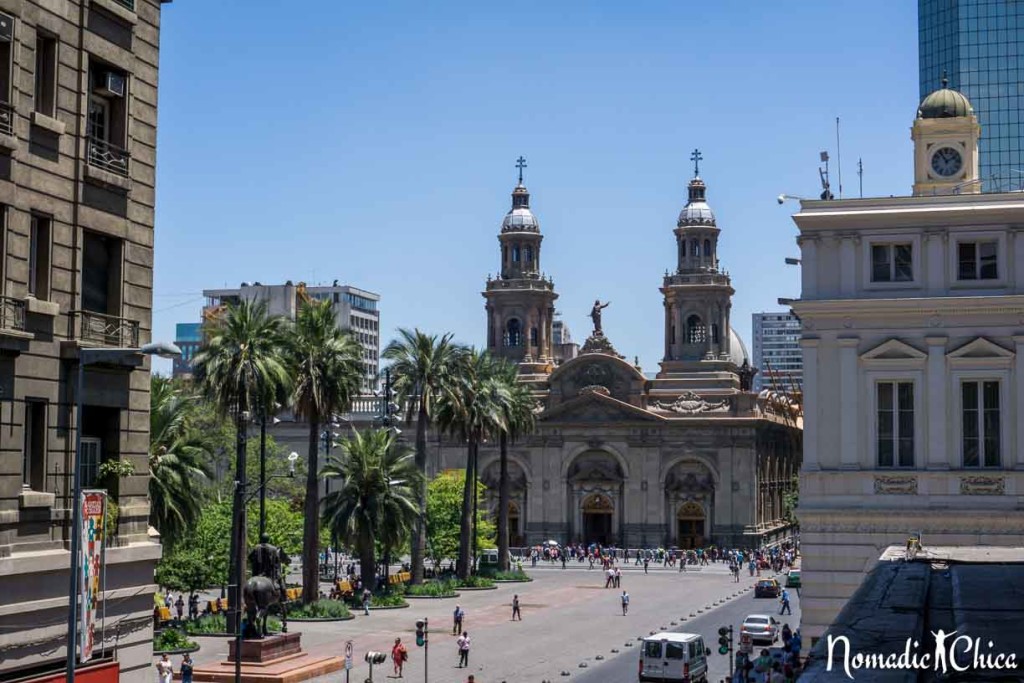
327	372
178	456
424	367
469	409
239	368
377	498
517	418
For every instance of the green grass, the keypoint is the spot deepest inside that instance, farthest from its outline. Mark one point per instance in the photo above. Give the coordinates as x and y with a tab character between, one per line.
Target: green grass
514	575
434	589
476	582
321	609
172	639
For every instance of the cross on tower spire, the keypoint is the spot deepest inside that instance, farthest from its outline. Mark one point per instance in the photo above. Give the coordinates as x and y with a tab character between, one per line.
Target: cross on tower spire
521	164
696	158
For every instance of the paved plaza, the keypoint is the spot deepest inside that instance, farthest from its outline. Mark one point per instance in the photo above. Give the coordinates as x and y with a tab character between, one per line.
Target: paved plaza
569	617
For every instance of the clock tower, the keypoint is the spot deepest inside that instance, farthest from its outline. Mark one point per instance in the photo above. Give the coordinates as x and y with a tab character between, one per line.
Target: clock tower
945	136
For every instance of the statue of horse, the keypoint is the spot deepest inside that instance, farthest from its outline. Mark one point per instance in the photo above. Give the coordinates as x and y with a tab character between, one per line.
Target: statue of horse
260	596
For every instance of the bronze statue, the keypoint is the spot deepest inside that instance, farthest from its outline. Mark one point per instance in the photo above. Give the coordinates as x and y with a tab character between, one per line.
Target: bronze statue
746	373
595	315
266	587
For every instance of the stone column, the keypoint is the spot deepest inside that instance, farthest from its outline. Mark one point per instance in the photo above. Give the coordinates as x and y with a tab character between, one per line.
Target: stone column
668	331
933	263
808	266
1018	374
542	336
849	431
848	265
938	449
680	330
811	460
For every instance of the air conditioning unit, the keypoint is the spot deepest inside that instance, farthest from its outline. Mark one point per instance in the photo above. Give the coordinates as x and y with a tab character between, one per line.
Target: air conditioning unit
6	28
111	84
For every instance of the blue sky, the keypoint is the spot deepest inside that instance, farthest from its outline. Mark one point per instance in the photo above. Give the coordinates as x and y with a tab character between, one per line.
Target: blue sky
375	143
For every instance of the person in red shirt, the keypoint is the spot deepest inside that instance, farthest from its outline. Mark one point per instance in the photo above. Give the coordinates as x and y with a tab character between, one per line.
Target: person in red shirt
398	656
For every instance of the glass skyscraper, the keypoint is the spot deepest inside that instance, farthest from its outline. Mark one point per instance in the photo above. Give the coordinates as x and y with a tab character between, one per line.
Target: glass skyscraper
979	45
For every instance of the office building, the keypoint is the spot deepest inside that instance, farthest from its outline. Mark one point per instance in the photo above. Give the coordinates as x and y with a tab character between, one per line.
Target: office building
979	46
777	354
78	117
912	310
356	310
188	337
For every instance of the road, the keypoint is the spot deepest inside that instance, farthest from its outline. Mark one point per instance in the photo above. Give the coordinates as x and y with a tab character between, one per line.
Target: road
623	668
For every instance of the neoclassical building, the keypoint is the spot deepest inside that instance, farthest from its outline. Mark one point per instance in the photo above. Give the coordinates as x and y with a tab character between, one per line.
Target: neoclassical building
688	457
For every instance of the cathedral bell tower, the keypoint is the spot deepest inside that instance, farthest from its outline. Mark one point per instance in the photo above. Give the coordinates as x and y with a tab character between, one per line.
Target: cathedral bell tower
945	135
520	301
698	295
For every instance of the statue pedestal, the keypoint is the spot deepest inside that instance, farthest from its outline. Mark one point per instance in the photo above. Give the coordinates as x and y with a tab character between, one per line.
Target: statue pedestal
274	659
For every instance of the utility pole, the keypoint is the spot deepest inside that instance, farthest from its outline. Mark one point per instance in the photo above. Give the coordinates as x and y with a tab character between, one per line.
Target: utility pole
860	176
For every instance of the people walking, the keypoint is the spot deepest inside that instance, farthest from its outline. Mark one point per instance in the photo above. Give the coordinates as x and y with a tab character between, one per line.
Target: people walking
463	643
515	608
625	602
366	601
618	578
164	670
785	602
457	618
647	561
186	668
609	578
398	656
179	605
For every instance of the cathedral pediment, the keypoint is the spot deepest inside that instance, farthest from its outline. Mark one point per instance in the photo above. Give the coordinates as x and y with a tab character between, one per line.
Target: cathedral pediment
894	349
980	348
595	406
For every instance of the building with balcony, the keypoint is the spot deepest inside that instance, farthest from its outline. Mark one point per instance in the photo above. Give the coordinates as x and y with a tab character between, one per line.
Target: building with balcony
356	311
188	337
913	358
777	354
78	115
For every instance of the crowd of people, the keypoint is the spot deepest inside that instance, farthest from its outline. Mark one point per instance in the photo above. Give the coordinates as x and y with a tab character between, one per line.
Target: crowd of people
780	666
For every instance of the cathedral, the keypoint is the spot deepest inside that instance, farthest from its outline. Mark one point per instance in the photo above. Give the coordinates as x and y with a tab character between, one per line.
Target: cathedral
687	458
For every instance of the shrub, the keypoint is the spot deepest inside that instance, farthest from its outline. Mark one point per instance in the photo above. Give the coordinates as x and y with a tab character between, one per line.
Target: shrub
476	582
218	623
514	575
392	599
321	609
436	589
171	639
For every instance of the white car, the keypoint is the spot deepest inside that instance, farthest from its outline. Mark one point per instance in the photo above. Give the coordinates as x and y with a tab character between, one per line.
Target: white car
760	628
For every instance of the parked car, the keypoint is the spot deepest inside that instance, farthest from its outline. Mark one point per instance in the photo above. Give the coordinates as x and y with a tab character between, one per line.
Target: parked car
674	658
761	628
793	579
767	588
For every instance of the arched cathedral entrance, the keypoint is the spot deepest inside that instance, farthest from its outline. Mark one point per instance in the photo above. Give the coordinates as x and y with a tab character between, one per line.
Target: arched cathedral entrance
595	484
689	502
597	519
690	525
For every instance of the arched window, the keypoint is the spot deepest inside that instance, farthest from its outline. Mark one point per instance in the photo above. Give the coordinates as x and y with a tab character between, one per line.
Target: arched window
694	248
529	254
695	332
513	333
504	254
515	253
533	336
714	333
707	248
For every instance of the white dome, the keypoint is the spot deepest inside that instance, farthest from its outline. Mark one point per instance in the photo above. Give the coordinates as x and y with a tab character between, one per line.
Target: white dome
520	218
696	213
737	349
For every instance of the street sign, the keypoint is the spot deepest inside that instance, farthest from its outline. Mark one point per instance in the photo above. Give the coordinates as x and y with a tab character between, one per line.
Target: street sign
348	655
746	643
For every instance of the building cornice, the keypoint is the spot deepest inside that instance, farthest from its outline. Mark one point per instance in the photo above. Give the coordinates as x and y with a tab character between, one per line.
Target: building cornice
920	212
1011	304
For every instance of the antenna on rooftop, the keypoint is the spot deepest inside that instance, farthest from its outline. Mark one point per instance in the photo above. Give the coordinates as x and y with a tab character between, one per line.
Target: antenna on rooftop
860	176
826	192
839	160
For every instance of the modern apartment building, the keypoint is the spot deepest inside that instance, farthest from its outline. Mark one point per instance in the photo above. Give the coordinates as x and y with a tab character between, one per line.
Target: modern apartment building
979	46
356	310
188	337
777	354
78	115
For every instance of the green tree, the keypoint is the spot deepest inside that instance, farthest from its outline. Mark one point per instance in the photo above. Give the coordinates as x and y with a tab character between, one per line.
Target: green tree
178	456
444	515
376	497
516	405
327	371
239	369
470	410
423	367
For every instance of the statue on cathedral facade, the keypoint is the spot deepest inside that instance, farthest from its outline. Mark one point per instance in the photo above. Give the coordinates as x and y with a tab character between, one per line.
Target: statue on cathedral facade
595	315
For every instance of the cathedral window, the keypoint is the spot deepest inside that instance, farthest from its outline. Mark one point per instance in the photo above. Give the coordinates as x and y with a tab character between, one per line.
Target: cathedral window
513	333
695	332
707	248
694	248
529	254
515	253
714	333
533	336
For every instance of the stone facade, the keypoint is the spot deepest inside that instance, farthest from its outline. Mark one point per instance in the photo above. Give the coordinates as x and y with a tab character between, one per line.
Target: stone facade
913	351
78	114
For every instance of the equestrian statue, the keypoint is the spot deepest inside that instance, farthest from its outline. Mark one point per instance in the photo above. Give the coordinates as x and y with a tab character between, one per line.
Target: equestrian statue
265	590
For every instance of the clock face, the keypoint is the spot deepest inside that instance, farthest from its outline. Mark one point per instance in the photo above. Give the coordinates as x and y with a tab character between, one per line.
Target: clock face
947	162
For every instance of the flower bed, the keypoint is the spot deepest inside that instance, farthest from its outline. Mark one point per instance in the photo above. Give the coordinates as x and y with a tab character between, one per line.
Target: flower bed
321	610
432	589
173	642
388	601
511	577
217	625
476	583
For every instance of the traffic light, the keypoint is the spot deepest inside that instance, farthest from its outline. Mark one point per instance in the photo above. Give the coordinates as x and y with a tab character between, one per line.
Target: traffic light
376	657
725	640
421	632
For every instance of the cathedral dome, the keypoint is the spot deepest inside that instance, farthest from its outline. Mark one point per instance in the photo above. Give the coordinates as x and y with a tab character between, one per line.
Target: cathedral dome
519	218
737	349
696	211
945	103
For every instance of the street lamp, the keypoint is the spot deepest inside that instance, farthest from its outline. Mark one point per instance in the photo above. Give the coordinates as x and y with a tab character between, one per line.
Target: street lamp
92	357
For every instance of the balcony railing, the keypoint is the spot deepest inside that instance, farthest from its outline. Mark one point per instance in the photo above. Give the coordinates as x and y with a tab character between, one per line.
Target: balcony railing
109	157
698	279
108	330
130	4
12	313
6	118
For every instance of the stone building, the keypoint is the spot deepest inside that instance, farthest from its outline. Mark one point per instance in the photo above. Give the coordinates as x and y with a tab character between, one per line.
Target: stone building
687	459
78	114
913	350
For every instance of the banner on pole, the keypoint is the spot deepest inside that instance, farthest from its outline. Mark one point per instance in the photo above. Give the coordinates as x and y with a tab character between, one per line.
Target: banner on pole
93	513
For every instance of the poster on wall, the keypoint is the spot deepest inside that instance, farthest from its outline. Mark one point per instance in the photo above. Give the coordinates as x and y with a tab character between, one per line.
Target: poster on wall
93	511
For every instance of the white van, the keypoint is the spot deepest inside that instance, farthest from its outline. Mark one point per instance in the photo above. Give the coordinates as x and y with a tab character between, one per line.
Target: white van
677	657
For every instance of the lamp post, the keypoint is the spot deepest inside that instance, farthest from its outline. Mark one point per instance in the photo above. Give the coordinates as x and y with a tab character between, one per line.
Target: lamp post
92	357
